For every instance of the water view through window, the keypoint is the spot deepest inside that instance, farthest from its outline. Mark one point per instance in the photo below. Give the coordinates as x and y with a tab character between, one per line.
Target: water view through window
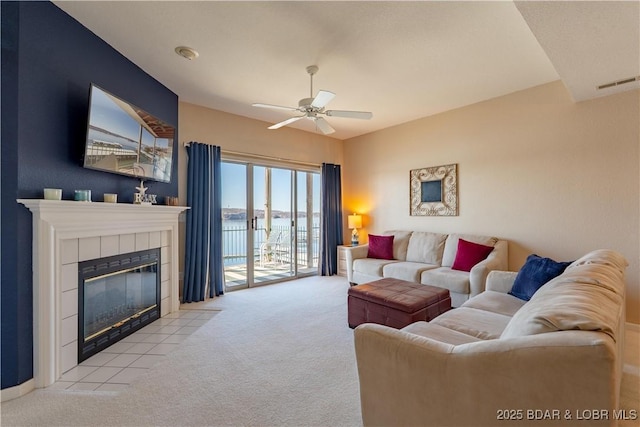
271	223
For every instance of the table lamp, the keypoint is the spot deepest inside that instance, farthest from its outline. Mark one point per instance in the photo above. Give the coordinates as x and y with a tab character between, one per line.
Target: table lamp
355	222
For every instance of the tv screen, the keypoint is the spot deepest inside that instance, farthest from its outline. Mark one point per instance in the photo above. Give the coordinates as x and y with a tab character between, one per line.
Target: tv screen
123	139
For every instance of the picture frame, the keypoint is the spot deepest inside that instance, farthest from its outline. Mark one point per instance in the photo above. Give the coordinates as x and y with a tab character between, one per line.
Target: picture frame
434	191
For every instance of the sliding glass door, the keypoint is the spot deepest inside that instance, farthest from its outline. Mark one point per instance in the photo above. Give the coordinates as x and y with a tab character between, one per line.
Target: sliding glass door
235	217
270	223
307	222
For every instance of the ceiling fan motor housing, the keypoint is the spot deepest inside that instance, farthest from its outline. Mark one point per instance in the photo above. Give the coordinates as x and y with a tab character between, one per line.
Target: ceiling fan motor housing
305	103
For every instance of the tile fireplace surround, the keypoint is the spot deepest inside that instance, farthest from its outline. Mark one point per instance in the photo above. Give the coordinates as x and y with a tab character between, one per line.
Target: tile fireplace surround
67	232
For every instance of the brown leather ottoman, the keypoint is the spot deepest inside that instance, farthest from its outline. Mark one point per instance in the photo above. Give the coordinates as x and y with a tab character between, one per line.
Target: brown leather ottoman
395	303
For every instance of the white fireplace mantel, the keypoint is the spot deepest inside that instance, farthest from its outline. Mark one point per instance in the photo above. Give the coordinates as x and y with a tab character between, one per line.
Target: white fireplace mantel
56	226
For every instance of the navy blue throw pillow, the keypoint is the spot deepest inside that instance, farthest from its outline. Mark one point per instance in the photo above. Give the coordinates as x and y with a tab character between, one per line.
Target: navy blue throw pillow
535	272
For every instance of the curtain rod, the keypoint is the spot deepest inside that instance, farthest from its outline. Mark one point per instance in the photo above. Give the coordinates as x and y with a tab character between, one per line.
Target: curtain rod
245	156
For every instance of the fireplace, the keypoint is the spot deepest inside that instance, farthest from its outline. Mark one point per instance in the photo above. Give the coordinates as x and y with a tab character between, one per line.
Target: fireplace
117	295
67	233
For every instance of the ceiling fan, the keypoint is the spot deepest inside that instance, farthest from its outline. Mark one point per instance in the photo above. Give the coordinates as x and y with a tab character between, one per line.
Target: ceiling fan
312	108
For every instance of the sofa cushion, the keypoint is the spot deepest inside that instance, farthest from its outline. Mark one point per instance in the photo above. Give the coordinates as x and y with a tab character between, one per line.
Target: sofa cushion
451	245
439	333
535	272
586	297
426	247
444	277
400	243
370	266
409	271
495	302
603	257
380	247
469	254
480	324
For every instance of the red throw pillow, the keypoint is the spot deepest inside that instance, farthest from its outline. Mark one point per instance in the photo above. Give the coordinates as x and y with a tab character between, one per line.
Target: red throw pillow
469	254
380	247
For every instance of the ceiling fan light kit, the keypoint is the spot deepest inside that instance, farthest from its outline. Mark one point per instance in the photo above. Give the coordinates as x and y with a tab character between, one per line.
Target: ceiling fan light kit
312	107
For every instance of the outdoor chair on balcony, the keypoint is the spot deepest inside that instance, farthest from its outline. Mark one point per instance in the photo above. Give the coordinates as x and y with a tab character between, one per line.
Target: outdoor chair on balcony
276	250
269	249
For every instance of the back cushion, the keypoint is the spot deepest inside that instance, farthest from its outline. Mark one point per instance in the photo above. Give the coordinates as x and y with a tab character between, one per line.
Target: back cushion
603	257
400	243
451	245
426	247
588	297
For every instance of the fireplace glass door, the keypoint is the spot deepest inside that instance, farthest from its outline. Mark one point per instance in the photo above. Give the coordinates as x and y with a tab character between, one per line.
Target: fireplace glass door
118	295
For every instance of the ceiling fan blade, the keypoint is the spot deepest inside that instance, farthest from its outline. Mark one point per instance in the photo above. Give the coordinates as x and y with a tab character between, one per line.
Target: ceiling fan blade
324	126
286	122
322	98
365	115
274	107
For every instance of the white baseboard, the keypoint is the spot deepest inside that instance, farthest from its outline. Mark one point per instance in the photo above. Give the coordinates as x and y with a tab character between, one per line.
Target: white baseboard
635	327
17	391
631	369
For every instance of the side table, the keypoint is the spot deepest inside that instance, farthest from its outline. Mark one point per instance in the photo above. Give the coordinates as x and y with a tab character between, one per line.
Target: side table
342	260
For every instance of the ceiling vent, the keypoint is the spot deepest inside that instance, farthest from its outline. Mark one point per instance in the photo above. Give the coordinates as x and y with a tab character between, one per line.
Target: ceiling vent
619	82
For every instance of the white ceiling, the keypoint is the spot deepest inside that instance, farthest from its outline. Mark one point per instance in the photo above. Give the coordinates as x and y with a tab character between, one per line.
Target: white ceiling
400	60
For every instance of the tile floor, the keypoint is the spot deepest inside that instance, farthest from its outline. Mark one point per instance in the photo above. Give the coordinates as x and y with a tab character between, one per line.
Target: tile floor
114	368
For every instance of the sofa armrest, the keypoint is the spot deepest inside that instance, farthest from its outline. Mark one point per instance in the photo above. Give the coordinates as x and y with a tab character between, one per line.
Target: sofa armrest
497	260
406	379
501	281
353	253
394	365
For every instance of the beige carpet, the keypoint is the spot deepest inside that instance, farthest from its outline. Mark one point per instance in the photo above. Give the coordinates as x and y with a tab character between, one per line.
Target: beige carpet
278	355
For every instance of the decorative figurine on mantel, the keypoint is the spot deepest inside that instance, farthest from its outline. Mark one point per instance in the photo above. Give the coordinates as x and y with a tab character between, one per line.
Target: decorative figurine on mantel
141	197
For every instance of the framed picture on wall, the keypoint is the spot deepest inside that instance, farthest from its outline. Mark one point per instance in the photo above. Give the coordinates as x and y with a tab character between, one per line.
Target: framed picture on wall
434	191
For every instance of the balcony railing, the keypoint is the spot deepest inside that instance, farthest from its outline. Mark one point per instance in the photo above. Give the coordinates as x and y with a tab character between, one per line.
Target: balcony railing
275	247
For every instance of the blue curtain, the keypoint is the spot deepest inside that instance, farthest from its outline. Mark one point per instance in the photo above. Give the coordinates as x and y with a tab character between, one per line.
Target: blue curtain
331	219
203	250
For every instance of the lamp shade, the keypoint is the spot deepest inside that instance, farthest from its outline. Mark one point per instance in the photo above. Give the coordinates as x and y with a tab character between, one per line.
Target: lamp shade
355	221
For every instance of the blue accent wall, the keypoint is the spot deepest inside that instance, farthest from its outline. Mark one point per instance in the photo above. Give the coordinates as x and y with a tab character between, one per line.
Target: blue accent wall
49	61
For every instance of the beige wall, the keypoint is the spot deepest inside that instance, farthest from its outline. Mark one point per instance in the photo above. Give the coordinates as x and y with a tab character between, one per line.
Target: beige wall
244	135
554	177
241	134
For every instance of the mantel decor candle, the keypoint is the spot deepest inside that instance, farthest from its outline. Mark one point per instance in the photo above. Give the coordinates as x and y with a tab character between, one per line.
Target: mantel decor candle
53	193
110	198
171	201
82	196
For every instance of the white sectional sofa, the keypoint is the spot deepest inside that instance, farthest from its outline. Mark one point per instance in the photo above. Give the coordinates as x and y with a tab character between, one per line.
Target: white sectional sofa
427	258
501	361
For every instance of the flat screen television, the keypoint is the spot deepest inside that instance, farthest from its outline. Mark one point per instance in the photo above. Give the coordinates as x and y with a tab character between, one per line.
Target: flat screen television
123	139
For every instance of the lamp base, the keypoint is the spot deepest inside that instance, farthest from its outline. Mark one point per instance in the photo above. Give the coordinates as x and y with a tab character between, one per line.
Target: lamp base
355	238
